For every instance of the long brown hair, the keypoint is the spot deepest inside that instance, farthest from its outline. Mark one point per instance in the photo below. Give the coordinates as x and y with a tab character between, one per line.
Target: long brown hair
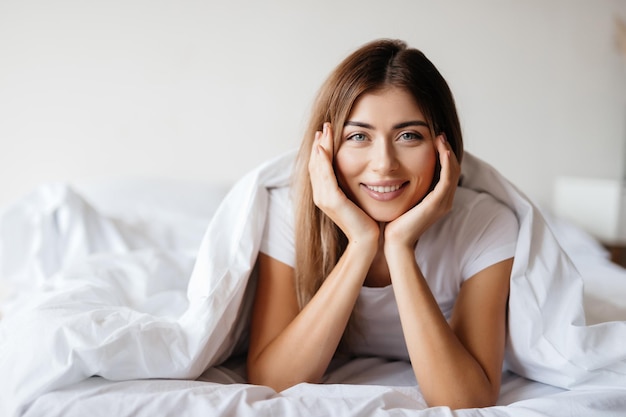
382	63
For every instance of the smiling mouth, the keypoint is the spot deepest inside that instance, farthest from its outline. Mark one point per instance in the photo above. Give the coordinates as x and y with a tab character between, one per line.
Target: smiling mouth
384	189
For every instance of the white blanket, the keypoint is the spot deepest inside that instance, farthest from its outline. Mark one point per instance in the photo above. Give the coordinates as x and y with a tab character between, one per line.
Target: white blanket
91	297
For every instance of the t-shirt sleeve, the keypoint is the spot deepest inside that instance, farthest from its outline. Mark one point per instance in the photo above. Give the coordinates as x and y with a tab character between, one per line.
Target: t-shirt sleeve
278	234
494	229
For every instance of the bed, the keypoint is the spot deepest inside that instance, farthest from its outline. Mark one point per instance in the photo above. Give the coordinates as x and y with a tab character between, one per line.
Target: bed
107	309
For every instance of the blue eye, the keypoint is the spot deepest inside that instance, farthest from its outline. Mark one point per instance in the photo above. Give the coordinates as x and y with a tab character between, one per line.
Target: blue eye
410	136
357	137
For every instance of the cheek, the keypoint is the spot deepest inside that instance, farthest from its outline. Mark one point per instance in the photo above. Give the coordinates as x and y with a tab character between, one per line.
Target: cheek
346	166
431	165
424	163
424	175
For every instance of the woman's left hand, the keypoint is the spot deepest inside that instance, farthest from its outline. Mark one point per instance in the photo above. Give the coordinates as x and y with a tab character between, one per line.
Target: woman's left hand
407	229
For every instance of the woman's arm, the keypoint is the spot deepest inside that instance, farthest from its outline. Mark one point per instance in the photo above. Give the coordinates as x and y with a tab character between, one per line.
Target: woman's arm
457	364
288	346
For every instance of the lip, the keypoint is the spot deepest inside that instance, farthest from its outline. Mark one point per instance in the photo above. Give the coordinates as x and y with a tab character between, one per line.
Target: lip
381	195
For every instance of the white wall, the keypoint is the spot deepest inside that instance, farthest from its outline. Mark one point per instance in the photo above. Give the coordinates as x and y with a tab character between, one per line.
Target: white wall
201	89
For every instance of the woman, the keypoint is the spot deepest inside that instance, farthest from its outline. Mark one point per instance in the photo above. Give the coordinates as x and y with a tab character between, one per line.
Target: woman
374	245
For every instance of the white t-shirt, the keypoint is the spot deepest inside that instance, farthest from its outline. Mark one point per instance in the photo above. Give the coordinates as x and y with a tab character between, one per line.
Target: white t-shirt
477	233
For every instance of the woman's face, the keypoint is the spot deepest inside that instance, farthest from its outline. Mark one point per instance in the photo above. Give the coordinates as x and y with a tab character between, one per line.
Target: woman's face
386	160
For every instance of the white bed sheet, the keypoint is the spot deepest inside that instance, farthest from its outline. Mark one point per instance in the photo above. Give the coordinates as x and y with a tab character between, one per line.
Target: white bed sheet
362	387
128	256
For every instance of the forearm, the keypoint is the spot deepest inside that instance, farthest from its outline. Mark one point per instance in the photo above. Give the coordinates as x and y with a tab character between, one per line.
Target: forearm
304	349
445	370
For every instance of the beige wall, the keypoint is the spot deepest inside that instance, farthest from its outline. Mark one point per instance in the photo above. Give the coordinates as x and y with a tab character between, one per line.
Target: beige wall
199	89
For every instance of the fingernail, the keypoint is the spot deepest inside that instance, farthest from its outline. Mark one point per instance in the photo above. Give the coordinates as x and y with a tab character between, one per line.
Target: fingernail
443	138
325	128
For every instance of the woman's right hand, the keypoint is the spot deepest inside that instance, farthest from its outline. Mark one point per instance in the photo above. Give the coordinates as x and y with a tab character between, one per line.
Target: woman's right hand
330	198
277	356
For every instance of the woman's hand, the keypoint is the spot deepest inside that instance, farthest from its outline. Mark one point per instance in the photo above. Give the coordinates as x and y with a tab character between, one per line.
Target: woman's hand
328	196
407	229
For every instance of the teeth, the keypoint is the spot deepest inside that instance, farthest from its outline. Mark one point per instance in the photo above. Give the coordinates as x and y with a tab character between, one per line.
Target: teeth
385	189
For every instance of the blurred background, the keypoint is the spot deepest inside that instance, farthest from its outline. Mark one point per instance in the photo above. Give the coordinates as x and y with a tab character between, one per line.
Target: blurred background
207	90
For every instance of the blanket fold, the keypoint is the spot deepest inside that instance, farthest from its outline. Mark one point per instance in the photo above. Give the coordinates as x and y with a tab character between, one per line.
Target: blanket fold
82	324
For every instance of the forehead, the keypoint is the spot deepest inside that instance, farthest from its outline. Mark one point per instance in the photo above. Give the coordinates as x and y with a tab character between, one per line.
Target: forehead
387	103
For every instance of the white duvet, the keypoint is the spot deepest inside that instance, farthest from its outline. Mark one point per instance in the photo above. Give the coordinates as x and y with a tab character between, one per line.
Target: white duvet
96	321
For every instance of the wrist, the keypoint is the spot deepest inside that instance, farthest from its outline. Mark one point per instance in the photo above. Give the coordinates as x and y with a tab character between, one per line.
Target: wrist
366	245
398	250
399	236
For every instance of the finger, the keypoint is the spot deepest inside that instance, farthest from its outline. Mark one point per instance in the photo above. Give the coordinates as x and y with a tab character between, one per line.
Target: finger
326	139
450	170
442	147
318	138
320	163
447	159
314	150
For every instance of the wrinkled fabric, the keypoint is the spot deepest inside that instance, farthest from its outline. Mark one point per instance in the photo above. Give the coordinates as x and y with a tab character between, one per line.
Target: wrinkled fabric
549	340
95	311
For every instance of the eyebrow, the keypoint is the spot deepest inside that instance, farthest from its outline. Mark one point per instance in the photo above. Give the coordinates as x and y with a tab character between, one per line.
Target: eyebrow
397	126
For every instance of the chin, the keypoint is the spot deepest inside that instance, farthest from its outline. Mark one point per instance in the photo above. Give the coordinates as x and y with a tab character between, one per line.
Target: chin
382	217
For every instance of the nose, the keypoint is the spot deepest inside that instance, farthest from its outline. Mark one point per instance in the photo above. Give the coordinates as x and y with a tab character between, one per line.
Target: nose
384	158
